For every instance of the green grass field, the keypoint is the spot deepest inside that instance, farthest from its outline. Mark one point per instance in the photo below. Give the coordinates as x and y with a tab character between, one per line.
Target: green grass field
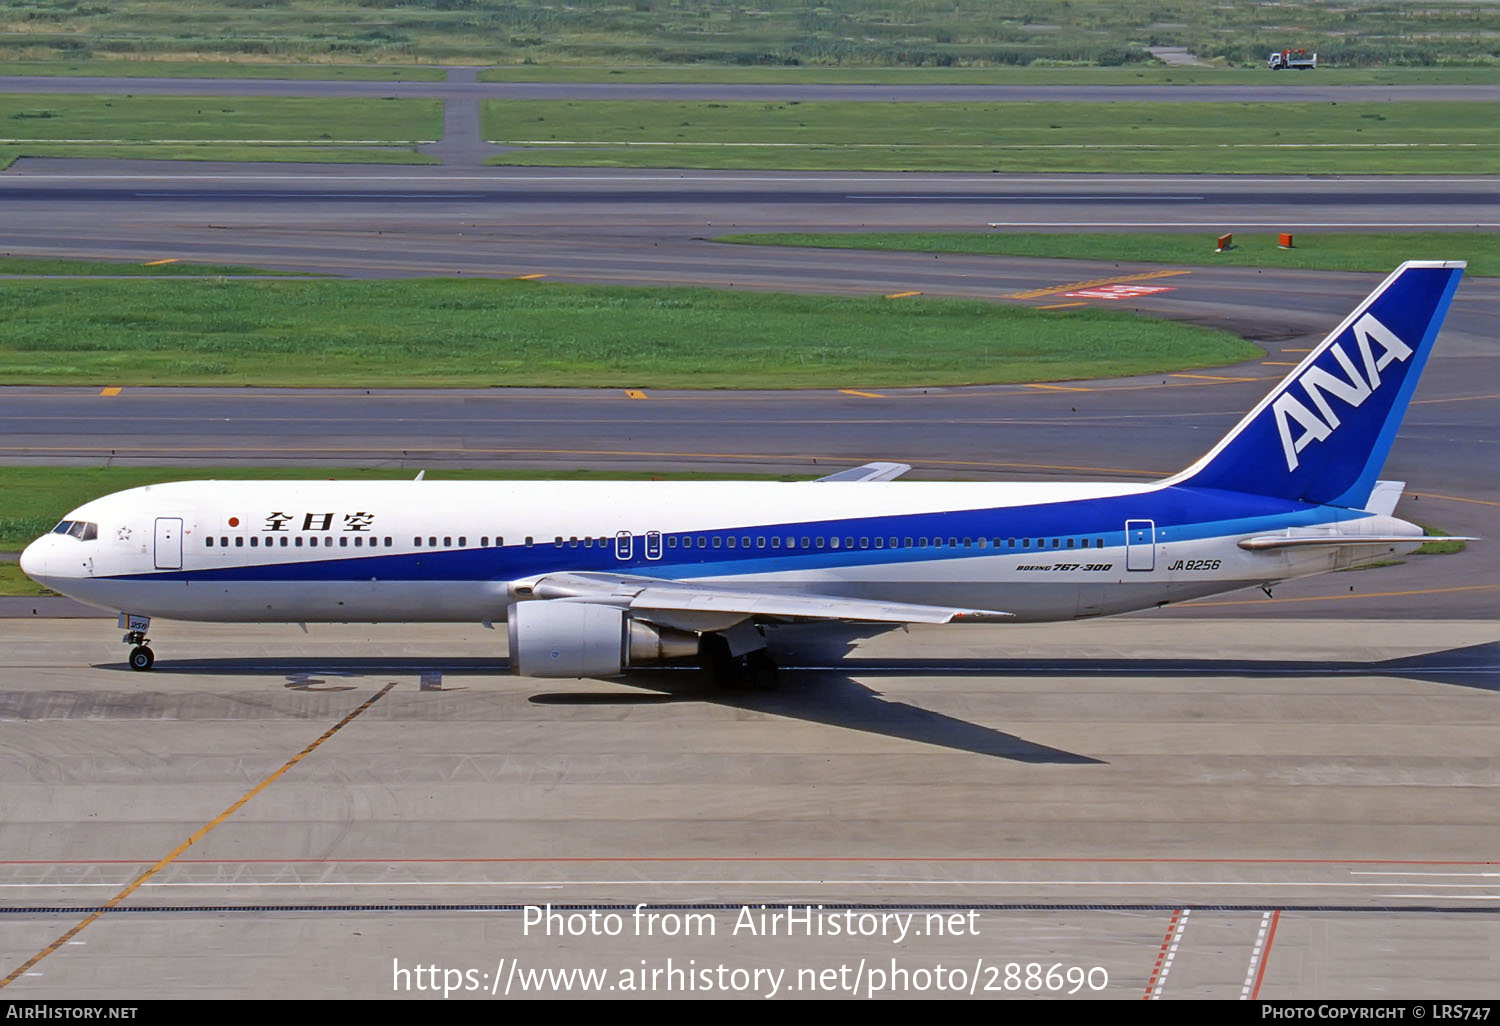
1133	74
1310	138
1327	251
769	33
217	127
442	332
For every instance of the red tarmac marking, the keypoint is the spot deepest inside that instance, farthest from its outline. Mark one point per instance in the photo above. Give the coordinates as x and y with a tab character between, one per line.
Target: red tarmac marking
1265	956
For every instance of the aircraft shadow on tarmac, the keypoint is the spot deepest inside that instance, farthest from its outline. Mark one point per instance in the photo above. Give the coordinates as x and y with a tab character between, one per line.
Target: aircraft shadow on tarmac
829	693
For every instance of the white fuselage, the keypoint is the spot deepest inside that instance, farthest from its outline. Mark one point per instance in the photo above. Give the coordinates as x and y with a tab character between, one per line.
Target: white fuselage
289	551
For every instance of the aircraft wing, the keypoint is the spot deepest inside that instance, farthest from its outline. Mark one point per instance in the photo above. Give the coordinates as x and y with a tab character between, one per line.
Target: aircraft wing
870	472
649	596
1293	539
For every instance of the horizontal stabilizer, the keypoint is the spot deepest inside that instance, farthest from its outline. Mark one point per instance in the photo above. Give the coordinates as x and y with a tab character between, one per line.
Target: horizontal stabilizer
1383	499
870	472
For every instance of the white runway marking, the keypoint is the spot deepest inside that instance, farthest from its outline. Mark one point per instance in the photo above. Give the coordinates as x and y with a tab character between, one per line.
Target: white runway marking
1255	952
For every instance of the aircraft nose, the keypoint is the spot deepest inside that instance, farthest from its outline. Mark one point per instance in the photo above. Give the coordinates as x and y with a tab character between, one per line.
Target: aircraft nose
34	558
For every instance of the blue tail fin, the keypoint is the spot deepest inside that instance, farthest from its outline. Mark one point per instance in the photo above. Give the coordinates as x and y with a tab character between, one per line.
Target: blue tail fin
1323	434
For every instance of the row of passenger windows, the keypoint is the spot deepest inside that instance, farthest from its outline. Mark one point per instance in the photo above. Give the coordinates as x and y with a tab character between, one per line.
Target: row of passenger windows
360	541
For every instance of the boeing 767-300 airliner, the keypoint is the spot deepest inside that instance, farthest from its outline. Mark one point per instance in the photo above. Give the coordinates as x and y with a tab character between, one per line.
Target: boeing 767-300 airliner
596	577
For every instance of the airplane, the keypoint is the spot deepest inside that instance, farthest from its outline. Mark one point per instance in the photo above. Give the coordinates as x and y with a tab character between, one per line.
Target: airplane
593	578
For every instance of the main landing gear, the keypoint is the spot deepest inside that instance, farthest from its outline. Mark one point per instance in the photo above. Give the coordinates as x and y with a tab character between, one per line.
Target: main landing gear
141	657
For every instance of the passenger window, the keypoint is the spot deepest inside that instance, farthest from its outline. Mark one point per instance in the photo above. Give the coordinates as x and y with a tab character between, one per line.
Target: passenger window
968	543
239	541
732	541
447	541
388	542
717	541
775	541
298	543
484	542
283	541
432	541
416	542
671	541
908	543
818	541
254	541
880	543
208	543
1070	543
806	542
344	541
848	543
499	542
358	541
1098	543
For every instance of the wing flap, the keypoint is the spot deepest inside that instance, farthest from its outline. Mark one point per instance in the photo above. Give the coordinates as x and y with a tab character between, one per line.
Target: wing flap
646	595
1284	541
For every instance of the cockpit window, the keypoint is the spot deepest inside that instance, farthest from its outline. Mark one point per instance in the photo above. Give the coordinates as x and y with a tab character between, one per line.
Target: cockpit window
80	529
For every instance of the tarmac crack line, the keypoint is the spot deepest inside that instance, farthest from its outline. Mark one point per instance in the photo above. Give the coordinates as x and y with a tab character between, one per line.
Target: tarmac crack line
197	836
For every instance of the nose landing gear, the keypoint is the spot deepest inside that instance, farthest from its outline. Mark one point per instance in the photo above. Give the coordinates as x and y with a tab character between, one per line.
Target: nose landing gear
141	657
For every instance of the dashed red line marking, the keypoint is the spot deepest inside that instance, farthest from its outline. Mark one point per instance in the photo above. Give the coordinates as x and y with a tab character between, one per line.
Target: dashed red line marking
1152	989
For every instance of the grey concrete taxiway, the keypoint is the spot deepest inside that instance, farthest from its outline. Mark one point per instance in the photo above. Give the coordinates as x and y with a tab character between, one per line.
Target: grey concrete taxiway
1284	806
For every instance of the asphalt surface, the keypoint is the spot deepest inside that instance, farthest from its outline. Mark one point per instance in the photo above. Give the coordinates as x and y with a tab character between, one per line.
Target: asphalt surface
1308	796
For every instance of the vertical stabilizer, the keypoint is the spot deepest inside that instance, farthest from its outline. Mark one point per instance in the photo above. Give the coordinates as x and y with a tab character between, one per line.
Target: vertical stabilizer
1323	433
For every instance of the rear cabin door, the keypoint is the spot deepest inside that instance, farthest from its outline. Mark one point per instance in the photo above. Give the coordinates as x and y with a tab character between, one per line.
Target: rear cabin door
1140	545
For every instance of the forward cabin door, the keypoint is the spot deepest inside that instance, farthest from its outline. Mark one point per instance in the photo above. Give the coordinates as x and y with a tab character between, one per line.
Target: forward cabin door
169	543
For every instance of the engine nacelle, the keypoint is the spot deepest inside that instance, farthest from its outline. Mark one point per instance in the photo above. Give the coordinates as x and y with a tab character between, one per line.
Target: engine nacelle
585	639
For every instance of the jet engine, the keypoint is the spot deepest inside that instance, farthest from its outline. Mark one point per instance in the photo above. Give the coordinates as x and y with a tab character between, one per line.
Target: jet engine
560	638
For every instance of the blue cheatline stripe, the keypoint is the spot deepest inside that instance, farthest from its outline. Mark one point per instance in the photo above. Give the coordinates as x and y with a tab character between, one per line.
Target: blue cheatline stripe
1180	513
